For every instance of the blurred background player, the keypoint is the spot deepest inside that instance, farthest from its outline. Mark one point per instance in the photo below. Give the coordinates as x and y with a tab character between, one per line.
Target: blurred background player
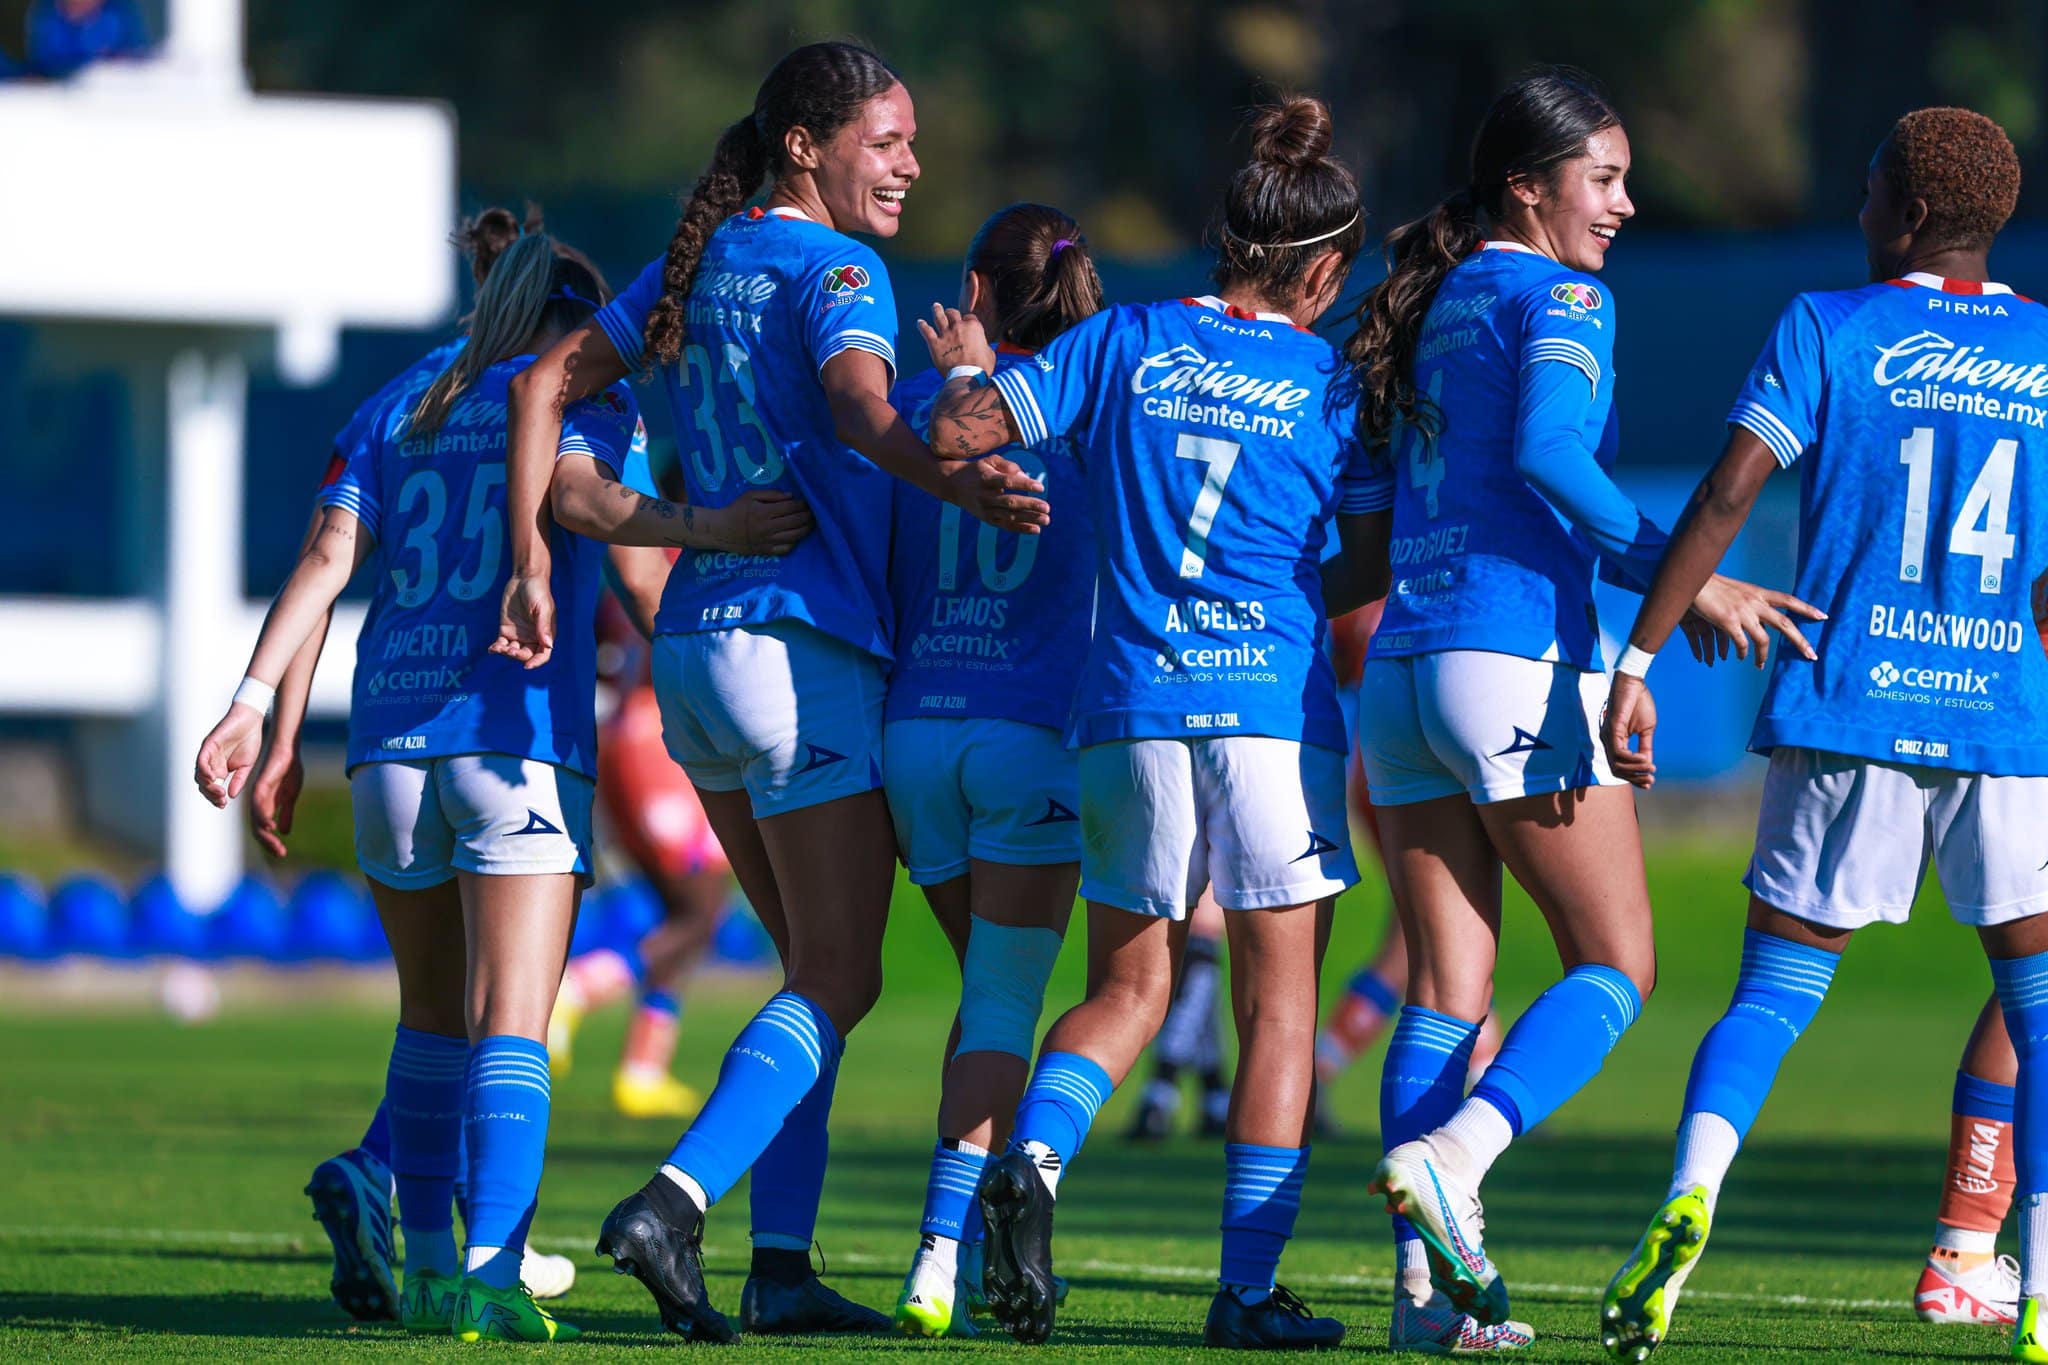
773	335
653	814
983	791
1919	504
1204	757
1486	363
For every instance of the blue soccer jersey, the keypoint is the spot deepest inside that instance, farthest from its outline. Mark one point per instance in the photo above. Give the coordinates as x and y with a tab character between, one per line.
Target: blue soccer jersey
989	623
414	379
425	684
1915	410
1481	558
1213	443
776	296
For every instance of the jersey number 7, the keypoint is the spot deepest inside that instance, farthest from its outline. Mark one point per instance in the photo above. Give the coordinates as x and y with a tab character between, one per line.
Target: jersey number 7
1221	457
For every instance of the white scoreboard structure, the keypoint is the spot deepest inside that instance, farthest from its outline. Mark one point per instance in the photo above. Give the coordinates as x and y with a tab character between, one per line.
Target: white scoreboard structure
164	218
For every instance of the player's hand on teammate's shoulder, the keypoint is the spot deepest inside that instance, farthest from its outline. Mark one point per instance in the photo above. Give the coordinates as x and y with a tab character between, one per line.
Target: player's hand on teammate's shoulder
526	620
1631	713
957	338
1743	615
761	521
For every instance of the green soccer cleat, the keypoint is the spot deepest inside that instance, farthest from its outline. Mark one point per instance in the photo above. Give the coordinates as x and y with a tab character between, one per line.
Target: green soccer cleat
2026	1334
486	1314
1635	1313
427	1302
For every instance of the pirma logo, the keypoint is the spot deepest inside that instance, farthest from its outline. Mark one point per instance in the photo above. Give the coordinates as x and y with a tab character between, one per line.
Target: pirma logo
1884	675
844	279
1578	294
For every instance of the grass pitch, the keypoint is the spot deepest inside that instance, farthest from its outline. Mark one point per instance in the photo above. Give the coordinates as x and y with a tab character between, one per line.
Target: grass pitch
154	1211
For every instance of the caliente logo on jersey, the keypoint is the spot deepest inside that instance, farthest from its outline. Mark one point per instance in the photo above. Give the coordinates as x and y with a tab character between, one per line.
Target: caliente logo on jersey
844	279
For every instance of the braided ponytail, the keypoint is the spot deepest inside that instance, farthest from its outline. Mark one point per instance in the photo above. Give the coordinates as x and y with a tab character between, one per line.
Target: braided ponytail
820	88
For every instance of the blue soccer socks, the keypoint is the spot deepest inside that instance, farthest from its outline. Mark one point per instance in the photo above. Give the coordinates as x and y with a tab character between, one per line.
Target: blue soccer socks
767	1073
1559	1044
2023	993
507	1132
1422	1080
1777	994
789	1175
949	1193
1058	1108
1261	1197
422	1111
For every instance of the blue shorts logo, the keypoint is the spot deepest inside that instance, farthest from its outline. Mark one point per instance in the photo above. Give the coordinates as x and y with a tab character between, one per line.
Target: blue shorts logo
816	757
1055	814
536	823
1317	846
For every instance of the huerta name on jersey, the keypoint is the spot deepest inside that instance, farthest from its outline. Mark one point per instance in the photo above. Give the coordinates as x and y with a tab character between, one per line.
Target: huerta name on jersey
1913	409
1480	559
425	684
776	297
989	623
1214	444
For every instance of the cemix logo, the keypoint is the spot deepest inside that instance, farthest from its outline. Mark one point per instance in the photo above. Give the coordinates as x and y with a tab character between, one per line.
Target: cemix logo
1884	675
1965	682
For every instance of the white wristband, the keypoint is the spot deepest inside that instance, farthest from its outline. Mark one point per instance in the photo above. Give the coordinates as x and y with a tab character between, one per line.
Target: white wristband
959	370
1634	662
257	693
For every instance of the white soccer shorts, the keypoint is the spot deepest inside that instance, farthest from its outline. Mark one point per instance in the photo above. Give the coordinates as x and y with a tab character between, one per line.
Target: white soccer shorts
420	820
969	787
789	713
1262	820
1493	727
1845	841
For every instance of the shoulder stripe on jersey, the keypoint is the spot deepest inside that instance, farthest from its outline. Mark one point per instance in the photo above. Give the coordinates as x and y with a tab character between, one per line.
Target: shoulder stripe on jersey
859	341
1360	496
1024	409
1566	350
350	499
631	345
1769	428
577	444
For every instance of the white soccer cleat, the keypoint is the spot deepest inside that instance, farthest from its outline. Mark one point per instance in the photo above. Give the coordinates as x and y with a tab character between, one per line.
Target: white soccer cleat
1989	1293
1420	1185
1438	1328
546	1276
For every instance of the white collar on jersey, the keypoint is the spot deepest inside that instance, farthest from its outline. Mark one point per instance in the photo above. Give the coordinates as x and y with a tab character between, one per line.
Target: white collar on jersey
1499	244
784	211
1927	281
1211	301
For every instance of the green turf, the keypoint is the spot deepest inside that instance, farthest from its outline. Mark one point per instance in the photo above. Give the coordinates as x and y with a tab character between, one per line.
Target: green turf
154	1172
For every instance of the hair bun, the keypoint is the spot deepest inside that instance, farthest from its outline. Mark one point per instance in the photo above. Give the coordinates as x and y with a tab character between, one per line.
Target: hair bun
484	237
1294	132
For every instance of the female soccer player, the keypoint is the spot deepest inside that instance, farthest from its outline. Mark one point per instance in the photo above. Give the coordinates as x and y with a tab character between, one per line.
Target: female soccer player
773	334
1215	439
470	776
991	629
1912	406
1489	346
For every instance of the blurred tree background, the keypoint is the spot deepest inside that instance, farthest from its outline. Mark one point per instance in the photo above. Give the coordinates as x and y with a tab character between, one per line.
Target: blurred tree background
1744	113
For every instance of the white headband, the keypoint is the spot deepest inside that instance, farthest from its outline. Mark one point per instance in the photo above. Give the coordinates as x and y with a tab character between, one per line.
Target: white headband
1261	248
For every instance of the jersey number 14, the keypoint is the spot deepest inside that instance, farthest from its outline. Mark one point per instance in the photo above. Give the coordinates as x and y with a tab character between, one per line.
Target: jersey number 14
1979	528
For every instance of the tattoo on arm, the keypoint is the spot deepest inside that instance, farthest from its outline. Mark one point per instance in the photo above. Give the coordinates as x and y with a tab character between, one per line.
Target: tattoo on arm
974	415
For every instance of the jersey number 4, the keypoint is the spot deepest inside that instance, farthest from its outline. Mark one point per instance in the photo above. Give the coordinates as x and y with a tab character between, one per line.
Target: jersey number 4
1989	503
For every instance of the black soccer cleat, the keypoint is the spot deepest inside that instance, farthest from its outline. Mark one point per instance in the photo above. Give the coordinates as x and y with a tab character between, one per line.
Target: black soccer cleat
1017	1279
656	1235
776	1307
1278	1322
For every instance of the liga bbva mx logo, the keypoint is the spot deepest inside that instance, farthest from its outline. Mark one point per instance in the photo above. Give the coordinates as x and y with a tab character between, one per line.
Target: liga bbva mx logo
844	279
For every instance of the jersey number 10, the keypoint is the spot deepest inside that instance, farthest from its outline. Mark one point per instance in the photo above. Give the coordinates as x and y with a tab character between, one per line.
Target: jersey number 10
988	542
1989	502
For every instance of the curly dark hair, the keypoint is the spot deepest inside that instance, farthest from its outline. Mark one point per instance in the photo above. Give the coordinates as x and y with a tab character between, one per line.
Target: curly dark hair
820	88
1964	167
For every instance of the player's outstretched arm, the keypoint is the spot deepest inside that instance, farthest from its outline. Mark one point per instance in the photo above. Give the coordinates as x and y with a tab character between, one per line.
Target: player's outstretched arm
994	490
585	498
579	365
229	752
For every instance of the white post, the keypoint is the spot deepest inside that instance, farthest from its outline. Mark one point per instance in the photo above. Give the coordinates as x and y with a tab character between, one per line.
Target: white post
202	579
203	38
